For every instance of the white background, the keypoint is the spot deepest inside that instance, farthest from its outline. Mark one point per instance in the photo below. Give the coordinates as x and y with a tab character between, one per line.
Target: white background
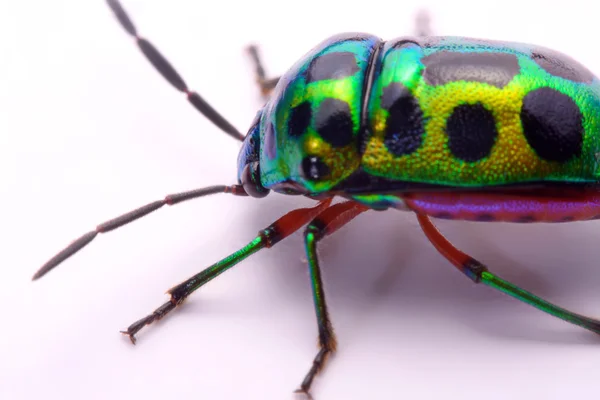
88	130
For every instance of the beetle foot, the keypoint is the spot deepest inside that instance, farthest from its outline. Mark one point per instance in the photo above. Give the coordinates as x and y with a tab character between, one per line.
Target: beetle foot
157	314
304	393
130	335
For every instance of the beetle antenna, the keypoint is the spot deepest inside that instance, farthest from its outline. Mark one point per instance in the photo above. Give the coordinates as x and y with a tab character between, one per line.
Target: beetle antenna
170	74
131	216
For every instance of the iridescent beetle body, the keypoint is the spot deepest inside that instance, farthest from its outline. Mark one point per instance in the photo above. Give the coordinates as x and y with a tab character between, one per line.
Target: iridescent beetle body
445	127
359	117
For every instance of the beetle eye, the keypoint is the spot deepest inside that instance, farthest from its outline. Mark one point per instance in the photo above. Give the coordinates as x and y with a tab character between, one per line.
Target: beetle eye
313	168
251	181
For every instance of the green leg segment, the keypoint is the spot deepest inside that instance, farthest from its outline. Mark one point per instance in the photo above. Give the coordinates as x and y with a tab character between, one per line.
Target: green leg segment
180	292
325	224
268	237
478	272
492	280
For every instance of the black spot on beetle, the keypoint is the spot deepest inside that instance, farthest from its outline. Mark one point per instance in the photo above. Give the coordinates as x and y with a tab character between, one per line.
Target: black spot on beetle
313	168
496	69
525	219
471	132
443	215
300	117
334	122
552	124
485	217
391	93
404	128
561	65
335	65
270	141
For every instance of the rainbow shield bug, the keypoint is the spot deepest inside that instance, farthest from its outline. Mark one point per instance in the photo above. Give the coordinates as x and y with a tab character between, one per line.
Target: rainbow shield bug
445	127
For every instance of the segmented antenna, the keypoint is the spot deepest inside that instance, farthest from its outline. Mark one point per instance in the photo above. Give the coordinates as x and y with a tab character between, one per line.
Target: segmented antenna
126	218
170	74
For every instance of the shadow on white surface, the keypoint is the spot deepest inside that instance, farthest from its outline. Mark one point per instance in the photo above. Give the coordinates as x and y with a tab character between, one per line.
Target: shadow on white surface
89	130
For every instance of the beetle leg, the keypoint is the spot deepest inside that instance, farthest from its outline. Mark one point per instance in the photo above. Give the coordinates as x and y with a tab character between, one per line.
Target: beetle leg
268	237
323	225
266	85
479	273
423	23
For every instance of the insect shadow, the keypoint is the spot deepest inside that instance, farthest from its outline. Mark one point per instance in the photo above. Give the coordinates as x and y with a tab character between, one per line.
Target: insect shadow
370	263
379	259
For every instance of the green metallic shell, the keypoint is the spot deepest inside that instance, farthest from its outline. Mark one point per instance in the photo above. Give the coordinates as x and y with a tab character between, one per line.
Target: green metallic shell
336	78
359	115
511	159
